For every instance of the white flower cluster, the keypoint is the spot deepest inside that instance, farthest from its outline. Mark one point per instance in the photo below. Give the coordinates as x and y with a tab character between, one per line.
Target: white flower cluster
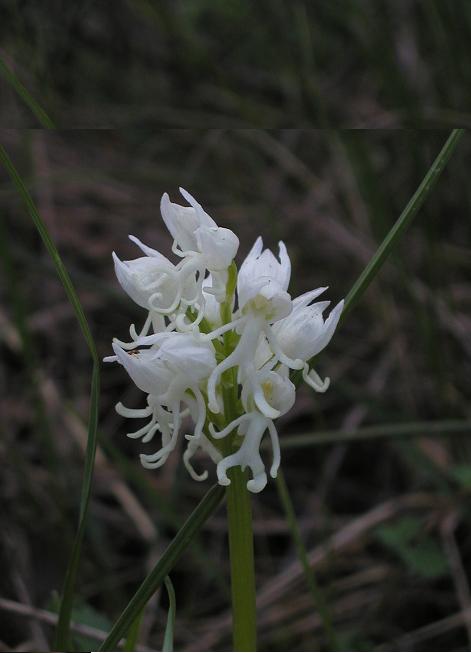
220	356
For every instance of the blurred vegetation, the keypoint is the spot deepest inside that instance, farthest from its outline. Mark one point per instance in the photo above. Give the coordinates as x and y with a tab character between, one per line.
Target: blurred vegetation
383	499
394	509
237	63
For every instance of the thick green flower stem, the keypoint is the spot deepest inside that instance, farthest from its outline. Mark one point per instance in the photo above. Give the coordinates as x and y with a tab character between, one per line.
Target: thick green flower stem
239	513
239	508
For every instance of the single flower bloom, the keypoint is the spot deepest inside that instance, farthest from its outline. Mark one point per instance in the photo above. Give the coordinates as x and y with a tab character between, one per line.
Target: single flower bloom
195	232
144	277
279	395
183	221
304	333
153	282
263	281
171	371
203	246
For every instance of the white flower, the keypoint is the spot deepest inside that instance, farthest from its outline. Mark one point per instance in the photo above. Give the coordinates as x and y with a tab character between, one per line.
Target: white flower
272	393
263	299
144	277
203	246
146	368
252	427
183	221
195	232
279	394
212	308
217	246
198	327
263	281
304	333
205	445
172	359
187	356
174	364
153	282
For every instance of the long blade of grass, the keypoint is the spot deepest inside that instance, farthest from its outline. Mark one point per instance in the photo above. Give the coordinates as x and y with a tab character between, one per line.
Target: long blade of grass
63	627
24	94
172	610
316	592
17	300
404	220
395	233
357	290
377	432
133	634
206	507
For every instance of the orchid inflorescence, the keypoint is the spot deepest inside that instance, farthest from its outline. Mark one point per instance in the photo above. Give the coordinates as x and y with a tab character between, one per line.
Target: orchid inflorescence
217	345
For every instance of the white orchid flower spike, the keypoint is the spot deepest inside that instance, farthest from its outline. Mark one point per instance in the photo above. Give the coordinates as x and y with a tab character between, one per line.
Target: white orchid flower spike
208	328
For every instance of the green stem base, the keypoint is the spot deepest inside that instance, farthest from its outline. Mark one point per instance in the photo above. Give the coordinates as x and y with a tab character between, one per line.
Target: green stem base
239	512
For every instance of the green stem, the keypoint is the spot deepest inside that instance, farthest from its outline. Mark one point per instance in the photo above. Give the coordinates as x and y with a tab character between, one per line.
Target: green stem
316	592
239	514
239	508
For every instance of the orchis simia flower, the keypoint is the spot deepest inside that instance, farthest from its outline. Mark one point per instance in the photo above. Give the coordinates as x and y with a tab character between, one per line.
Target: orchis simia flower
198	328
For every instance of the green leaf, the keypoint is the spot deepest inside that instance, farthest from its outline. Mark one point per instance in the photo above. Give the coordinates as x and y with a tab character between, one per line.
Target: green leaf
24	94
156	577
417	549
400	533
172	609
426	559
462	474
63	627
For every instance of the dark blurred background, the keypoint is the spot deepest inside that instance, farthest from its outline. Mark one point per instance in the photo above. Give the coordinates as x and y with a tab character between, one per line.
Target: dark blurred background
385	515
386	519
270	63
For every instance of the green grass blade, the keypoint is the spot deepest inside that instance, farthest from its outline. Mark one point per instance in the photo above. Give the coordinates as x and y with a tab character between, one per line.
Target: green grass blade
17	300
172	609
63	626
401	224
359	287
316	592
133	634
377	432
404	220
156	577
51	248
24	94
